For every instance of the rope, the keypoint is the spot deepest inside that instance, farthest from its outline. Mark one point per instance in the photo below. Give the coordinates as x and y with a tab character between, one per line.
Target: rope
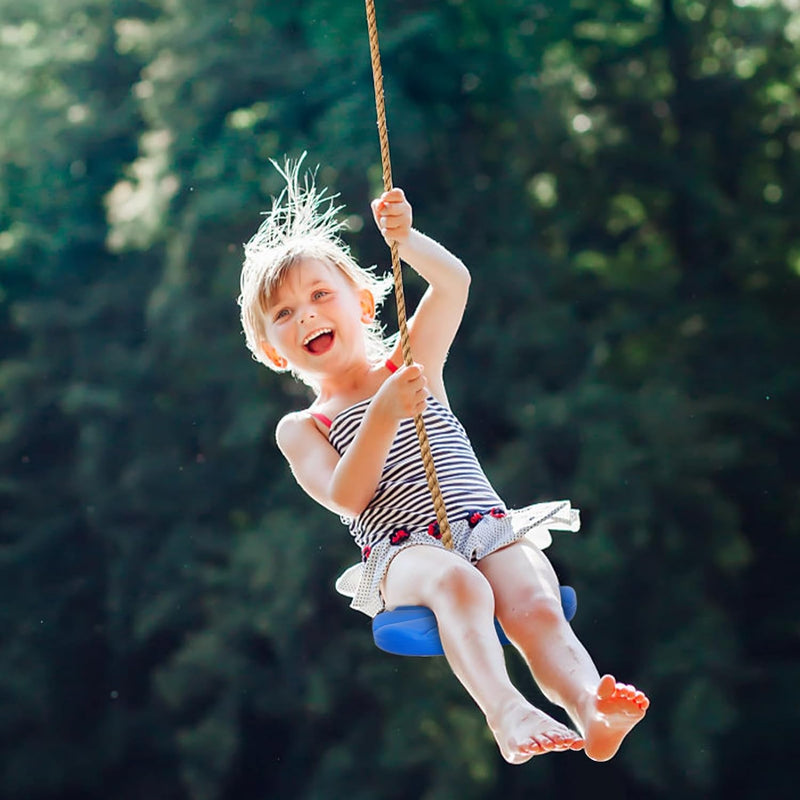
383	134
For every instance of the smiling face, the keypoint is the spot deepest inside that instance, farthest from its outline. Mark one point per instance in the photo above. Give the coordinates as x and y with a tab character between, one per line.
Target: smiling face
314	320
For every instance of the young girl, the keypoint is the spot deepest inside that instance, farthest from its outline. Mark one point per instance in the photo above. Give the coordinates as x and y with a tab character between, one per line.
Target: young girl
309	308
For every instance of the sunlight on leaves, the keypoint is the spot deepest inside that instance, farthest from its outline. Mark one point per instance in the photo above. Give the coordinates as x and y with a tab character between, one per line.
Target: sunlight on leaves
544	189
135	206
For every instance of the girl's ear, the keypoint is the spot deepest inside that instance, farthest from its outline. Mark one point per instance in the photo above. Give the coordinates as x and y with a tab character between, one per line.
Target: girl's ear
273	355
367	306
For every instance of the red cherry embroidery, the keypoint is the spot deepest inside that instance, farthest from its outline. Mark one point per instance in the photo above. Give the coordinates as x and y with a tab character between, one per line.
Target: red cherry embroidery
400	535
365	552
474	518
497	513
434	530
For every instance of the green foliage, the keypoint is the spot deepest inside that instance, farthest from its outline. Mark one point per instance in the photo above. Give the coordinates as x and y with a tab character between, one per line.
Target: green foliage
621	176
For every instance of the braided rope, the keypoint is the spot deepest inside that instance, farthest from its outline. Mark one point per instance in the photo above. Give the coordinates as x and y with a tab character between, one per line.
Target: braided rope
383	134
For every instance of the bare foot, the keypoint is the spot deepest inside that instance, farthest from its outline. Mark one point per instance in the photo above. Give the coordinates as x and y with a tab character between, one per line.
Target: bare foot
522	732
610	715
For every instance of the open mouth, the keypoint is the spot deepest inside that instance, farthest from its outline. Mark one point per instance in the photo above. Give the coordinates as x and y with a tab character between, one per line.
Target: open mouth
318	342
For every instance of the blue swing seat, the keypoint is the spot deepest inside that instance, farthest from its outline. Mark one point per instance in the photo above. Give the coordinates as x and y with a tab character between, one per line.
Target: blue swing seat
412	630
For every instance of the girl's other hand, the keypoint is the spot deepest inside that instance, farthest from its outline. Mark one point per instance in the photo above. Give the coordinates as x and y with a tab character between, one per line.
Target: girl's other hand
403	394
393	216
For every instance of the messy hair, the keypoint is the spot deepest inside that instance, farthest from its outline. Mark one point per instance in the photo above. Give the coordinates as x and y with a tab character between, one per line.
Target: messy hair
303	222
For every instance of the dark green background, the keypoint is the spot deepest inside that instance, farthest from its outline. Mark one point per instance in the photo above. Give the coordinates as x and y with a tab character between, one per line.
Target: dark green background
621	176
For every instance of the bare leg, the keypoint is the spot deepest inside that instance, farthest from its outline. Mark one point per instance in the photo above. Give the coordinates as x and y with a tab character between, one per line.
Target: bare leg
463	603
528	606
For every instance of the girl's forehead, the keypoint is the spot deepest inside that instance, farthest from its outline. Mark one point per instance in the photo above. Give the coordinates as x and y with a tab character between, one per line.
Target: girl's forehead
303	274
309	270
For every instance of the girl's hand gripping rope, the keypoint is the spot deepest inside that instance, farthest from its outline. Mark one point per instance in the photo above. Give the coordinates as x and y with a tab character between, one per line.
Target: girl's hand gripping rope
393	216
403	394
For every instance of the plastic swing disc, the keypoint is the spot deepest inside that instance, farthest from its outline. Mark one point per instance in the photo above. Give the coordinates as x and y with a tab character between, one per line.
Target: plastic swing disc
412	630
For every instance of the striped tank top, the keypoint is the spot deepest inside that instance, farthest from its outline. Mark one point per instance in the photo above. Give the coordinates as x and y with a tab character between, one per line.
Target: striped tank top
402	498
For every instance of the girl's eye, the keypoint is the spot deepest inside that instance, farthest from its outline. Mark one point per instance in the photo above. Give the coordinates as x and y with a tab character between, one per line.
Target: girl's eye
284	312
319	294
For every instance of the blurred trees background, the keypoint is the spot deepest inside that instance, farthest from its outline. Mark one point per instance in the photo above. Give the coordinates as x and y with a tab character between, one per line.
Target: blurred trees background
623	179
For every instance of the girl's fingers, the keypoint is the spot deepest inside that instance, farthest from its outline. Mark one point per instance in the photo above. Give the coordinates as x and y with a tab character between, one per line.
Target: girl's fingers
393	224
391	206
393	209
395	195
392	214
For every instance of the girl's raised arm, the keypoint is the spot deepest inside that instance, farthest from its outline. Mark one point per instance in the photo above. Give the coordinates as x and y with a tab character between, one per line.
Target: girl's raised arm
436	320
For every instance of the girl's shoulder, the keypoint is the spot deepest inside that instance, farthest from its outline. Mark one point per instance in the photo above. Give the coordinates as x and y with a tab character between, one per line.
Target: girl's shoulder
293	425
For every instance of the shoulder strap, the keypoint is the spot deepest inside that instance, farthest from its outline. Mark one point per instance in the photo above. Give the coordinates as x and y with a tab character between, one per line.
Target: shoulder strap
321	418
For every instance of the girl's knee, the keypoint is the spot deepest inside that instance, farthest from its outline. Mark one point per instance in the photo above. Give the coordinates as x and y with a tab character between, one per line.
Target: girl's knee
459	584
530	607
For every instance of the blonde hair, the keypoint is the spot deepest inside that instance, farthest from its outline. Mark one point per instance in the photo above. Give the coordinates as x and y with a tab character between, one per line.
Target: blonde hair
303	222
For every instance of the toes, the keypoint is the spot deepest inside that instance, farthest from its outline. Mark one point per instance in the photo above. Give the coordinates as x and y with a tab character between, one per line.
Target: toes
568	741
606	688
565	741
558	742
627	691
542	744
609	689
632	694
578	744
546	743
534	746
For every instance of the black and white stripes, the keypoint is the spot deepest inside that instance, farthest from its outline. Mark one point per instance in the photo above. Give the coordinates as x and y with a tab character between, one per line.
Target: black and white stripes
402	498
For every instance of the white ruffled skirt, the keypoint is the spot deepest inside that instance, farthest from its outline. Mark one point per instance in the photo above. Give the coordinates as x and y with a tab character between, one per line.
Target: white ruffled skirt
471	540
